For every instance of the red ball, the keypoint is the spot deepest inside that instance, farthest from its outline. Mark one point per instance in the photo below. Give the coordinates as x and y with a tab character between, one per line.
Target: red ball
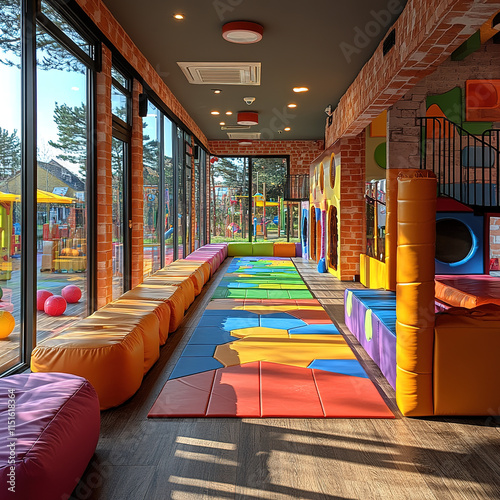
55	305
41	297
71	293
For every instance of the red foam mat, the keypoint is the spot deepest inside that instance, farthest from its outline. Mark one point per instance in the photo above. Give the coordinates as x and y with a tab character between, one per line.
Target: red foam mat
264	389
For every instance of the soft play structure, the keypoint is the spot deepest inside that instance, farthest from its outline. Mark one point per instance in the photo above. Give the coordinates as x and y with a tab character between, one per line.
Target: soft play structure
304	229
324	216
459	239
429	358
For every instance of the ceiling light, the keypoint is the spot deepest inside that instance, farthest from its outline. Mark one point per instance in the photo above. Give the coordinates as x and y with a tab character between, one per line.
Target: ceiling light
216	91
287	129
300	89
228	113
292	105
179	17
242	32
222	123
248	118
245	142
214	113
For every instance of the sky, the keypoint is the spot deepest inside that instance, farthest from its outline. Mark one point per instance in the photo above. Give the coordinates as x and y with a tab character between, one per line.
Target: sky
53	86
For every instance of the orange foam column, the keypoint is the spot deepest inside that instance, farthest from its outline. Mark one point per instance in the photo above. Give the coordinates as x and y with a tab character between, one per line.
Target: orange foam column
391	225
415	291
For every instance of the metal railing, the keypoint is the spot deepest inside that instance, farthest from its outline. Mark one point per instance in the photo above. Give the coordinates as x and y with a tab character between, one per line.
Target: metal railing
297	187
467	166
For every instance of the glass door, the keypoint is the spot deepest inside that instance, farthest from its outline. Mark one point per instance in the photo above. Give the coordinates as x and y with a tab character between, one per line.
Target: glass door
229	207
118	215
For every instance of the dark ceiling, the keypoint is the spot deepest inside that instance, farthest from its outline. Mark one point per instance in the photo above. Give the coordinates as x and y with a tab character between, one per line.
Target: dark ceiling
304	43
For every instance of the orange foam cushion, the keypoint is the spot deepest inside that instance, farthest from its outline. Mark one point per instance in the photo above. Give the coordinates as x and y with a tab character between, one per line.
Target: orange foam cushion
171	295
466	368
160	309
111	359
284	249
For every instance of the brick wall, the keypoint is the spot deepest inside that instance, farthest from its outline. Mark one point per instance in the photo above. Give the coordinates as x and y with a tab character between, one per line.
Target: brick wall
103	181
110	27
427	32
352	204
302	153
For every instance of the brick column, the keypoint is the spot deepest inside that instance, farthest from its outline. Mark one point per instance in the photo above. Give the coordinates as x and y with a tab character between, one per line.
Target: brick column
352	205
136	191
103	181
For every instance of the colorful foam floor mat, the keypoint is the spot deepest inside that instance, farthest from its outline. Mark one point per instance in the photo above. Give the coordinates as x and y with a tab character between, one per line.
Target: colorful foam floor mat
267	356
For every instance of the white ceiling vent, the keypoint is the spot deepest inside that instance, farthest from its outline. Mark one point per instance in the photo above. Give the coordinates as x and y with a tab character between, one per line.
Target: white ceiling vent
221	73
244	135
235	127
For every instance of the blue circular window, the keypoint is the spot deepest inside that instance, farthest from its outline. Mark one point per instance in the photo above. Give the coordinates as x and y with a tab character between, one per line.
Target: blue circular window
455	242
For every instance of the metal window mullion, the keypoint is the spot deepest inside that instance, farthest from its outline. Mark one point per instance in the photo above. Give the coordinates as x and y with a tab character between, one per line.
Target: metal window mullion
28	178
160	133
91	193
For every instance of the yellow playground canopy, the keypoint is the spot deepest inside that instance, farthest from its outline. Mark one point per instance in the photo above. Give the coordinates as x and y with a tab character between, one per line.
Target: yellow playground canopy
41	197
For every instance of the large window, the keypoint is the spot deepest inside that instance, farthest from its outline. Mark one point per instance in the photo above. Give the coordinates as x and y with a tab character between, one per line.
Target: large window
258	215
63	78
121	103
10	182
153	223
44	227
169	189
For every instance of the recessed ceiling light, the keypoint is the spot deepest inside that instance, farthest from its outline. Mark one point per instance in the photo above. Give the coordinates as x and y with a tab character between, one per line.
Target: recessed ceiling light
214	113
217	91
287	129
292	105
222	123
179	17
228	113
300	89
245	142
242	32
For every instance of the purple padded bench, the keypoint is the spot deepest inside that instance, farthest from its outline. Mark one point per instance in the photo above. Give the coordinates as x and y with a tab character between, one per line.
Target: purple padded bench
49	428
370	316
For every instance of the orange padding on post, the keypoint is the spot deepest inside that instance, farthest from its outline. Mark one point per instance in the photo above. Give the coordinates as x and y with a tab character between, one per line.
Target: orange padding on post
415	292
391	224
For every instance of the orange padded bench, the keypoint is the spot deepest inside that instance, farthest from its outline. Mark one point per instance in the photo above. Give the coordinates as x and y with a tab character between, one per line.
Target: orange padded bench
114	347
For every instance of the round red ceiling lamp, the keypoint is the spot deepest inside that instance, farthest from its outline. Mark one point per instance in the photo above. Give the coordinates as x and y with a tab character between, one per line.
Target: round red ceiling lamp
248	118
242	32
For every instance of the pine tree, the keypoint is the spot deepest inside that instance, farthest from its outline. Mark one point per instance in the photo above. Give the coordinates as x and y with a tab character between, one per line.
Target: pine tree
72	135
10	153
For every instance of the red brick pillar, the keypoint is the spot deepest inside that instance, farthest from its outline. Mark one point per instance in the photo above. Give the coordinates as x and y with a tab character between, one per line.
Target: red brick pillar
137	188
103	181
352	205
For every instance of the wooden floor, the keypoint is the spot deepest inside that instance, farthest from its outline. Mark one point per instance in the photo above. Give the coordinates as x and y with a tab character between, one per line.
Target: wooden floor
311	459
